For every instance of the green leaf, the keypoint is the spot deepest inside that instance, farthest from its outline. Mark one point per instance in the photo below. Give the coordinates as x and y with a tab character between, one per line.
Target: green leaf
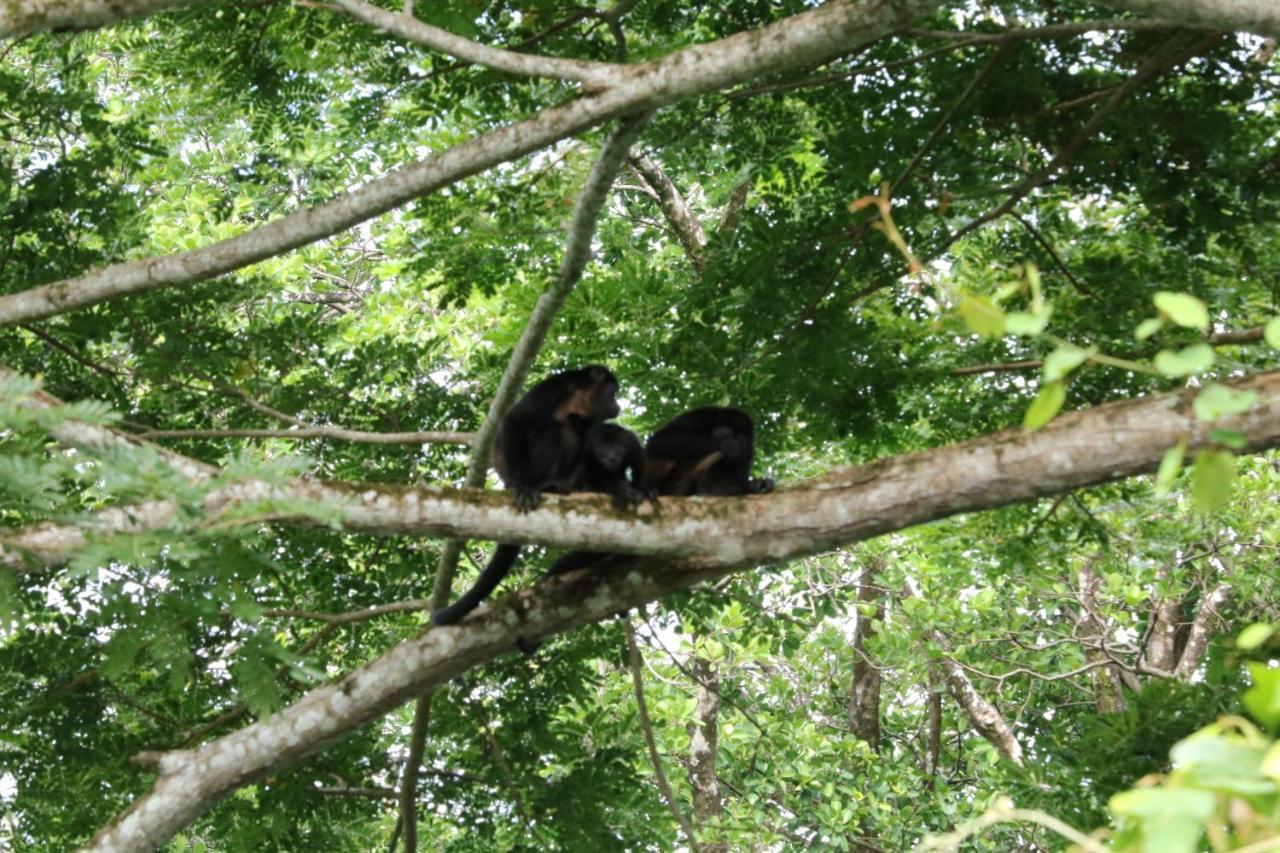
1211	479
1148	327
1170	465
1270	765
1271	334
1025	323
1164	803
1263	698
1231	438
1255	635
1045	406
1183	309
1216	400
982	316
1196	358
1065	359
1171	834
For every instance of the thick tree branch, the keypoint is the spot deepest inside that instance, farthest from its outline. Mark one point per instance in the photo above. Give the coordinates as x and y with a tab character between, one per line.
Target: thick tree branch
1079	449
1255	16
814	36
407	27
20	17
982	715
1201	631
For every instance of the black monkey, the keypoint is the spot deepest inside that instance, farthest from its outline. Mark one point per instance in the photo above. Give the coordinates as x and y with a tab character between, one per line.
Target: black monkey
706	451
612	452
555	439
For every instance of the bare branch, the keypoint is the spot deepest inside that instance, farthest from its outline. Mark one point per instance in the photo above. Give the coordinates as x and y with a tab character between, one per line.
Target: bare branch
577	253
1082	448
1202	631
813	36
982	715
339	433
1255	16
20	17
407	27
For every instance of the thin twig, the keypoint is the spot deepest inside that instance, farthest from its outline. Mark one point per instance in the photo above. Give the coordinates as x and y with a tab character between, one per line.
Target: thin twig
411	29
339	433
646	726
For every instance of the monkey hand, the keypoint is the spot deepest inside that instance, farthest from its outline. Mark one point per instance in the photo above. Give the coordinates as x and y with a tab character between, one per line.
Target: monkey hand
628	498
526	498
759	486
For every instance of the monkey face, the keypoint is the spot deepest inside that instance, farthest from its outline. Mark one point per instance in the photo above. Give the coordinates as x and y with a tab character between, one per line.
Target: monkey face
731	443
601	394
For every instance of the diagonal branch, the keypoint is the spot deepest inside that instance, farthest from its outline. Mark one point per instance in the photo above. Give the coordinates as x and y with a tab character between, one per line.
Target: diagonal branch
687	227
577	253
1082	448
407	27
813	36
646	726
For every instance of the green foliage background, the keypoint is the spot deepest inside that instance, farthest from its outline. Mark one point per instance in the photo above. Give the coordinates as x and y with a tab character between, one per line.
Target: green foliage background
174	132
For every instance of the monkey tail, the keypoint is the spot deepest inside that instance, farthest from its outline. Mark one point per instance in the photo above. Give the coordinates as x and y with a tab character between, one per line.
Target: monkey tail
504	557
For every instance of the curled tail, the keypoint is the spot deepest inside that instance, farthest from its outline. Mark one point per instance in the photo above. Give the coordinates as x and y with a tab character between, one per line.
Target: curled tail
504	557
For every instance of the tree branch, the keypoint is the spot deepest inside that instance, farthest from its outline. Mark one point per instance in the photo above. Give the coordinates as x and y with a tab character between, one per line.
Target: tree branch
1082	448
676	210
1255	16
646	727
577	253
721	534
814	36
405	26
339	433
20	17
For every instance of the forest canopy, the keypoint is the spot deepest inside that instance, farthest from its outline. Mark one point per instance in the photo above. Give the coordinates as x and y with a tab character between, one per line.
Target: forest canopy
997	282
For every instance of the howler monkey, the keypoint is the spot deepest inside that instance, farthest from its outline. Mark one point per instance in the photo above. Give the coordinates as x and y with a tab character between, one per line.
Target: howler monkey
706	451
555	439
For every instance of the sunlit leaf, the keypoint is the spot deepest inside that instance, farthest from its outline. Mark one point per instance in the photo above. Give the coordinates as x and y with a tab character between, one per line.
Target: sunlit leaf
1272	333
1164	802
1045	406
1170	465
1183	309
1216	400
1255	635
1212	477
1263	698
1025	323
1196	358
1148	327
1065	359
982	316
